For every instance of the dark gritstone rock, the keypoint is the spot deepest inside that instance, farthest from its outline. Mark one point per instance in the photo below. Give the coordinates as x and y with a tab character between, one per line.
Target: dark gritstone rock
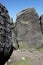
41	23
6	47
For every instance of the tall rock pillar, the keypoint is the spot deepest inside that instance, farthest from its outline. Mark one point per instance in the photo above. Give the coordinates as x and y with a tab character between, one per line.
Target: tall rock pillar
28	28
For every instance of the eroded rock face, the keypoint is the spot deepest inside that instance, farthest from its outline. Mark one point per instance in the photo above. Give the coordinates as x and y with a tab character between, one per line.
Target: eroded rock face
6	47
28	28
41	23
14	40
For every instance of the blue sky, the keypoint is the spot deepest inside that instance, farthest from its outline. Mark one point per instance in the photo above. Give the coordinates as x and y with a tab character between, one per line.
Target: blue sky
15	6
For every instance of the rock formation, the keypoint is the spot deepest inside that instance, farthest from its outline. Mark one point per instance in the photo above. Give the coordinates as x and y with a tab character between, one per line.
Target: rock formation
28	28
41	23
29	31
6	46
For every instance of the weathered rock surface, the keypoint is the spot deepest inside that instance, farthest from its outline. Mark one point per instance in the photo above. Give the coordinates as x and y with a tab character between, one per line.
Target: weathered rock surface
41	23
28	28
6	47
14	39
6	29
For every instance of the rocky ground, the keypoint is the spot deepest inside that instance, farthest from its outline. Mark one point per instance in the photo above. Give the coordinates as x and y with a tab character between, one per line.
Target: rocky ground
26	57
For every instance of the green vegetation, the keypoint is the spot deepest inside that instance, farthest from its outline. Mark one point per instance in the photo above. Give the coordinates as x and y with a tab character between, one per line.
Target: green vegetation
19	63
27	61
40	49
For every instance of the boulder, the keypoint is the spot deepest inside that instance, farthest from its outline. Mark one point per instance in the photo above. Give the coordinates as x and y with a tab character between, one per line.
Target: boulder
41	23
28	28
6	46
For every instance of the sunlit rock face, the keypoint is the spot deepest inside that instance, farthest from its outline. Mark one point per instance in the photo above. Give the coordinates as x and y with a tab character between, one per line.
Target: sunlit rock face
6	47
28	28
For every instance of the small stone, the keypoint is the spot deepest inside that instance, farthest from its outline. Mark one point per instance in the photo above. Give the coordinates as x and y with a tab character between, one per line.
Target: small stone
9	60
23	58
